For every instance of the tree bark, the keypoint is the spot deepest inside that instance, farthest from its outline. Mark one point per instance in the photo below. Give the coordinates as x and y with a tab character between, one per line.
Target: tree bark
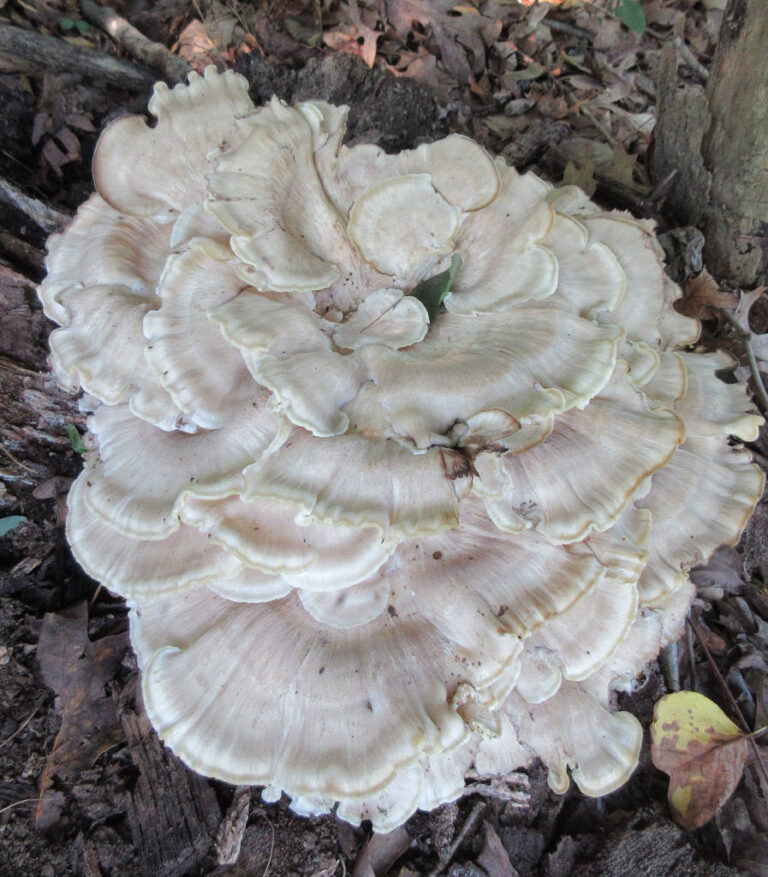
41	52
716	139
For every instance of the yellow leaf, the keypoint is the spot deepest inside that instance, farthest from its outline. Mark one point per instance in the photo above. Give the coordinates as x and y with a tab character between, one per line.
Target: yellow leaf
703	752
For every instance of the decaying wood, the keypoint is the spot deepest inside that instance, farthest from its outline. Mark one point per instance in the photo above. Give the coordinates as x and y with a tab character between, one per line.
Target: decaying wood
134	42
715	139
35	413
46	217
54	55
173	813
229	838
21	253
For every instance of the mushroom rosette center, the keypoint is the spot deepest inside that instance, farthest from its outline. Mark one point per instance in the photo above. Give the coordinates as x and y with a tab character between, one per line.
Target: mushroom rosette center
397	459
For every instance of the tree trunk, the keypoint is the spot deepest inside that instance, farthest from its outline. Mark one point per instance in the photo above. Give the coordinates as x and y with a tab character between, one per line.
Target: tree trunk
717	140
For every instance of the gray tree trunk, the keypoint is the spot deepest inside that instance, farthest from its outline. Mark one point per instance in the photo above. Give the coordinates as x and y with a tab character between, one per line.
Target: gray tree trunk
717	140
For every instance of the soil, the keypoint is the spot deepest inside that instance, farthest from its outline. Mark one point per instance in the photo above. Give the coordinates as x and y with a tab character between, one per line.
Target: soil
133	808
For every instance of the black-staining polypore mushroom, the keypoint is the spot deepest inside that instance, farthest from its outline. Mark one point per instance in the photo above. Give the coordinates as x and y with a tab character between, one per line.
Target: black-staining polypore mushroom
369	543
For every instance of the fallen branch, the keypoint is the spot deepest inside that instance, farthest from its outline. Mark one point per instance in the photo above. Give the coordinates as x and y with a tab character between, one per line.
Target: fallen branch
134	42
58	56
43	215
746	337
750	736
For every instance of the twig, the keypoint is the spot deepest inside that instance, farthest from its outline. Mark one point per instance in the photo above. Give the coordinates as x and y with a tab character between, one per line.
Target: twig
570	30
272	844
692	660
17	461
58	56
214	47
689	59
134	42
746	336
731	699
17	803
599	125
43	215
95	596
661	188
25	722
670	666
469	824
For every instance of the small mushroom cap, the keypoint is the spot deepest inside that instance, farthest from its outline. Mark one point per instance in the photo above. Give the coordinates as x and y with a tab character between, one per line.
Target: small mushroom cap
571	729
102	347
582	638
204	374
590	276
532	361
251	586
142	474
575	482
359	482
266	192
653	628
348	607
540	676
134	568
196	225
275	538
643	361
162	171
286	347
461	170
703	497
668	383
503	260
278	261
351	731
102	247
386	317
402	226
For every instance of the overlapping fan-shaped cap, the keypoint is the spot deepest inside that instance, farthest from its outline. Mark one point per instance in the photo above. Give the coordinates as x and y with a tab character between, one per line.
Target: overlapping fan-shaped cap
366	547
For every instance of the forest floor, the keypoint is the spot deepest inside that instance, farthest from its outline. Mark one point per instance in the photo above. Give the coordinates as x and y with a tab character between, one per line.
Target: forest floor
567	91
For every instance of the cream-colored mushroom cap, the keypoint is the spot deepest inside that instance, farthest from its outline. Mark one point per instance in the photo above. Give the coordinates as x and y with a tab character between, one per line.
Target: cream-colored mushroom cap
397	459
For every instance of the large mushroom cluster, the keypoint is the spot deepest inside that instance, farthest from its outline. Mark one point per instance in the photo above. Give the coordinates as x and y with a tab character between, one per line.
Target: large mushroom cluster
370	542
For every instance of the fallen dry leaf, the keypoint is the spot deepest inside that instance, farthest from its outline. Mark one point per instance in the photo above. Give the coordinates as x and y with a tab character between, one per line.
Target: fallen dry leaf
702	297
759	343
747	301
620	167
494	859
723	574
703	752
196	47
380	852
348	42
458	30
582	176
354	35
78	670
